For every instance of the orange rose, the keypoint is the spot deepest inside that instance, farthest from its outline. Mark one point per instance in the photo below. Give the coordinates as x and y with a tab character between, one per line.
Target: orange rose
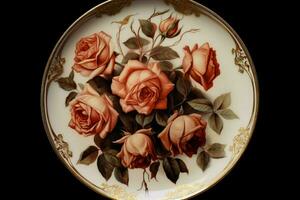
137	150
169	27
141	87
201	64
92	114
94	55
183	134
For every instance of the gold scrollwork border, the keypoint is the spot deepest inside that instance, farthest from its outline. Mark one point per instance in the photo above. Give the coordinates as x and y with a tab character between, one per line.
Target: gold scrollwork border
242	59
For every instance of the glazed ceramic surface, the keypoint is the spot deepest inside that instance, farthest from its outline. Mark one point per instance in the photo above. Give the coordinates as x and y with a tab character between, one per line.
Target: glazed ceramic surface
149	99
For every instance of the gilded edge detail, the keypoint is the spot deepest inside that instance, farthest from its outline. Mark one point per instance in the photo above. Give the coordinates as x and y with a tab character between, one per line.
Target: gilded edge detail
240	141
117	192
180	192
240	59
112	7
185	7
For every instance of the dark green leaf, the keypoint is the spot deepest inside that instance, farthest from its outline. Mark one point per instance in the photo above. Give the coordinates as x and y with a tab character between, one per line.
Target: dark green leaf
103	144
215	122
216	150
104	167
100	84
112	159
154	168
127	121
203	160
163	53
202	105
144	120
112	151
161	118
223	101
118	69
133	43
183	86
227	114
197	93
171	168
88	156
66	83
182	166
121	174
70	97
166	66
133	56
148	27
71	75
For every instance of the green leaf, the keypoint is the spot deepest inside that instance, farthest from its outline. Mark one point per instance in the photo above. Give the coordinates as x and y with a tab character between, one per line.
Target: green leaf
203	160
215	122
183	86
161	118
166	66
171	168
223	101
202	105
144	120
148	27
197	93
133	56
133	43
70	97
103	144
121	174
182	166
104	167
127	121
163	53
154	168
216	150
100	84
112	159
88	156
227	114
66	83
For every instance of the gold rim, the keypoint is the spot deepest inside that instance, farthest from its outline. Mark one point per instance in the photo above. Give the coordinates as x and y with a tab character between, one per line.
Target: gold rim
91	13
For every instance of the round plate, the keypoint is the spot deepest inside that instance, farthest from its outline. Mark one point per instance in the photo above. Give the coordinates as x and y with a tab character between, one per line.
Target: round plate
149	99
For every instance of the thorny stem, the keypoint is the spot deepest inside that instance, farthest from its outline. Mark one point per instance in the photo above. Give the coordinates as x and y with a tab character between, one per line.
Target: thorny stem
189	31
118	39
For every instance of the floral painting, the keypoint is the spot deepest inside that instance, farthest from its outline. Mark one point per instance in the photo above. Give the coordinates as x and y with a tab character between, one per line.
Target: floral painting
145	111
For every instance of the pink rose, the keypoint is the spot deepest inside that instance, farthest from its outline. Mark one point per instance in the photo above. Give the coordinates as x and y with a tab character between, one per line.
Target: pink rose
137	150
201	64
142	87
184	134
169	27
92	114
94	55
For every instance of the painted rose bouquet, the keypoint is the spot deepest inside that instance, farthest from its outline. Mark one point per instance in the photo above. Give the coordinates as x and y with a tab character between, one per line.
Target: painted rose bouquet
144	111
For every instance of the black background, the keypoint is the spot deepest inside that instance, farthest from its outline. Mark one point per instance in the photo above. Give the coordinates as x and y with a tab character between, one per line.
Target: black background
39	173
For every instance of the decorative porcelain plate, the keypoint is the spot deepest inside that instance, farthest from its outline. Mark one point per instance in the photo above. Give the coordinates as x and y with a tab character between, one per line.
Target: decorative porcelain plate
149	99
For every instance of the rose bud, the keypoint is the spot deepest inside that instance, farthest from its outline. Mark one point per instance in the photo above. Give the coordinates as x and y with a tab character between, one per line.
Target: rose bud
184	134
169	27
201	64
137	150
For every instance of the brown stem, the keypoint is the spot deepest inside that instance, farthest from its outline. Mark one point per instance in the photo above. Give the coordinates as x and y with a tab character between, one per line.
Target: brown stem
118	40
144	184
119	64
189	31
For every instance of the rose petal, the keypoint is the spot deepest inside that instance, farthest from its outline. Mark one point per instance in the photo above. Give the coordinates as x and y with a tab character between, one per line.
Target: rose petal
126	108
161	104
118	88
164	137
130	67
187	59
78	68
